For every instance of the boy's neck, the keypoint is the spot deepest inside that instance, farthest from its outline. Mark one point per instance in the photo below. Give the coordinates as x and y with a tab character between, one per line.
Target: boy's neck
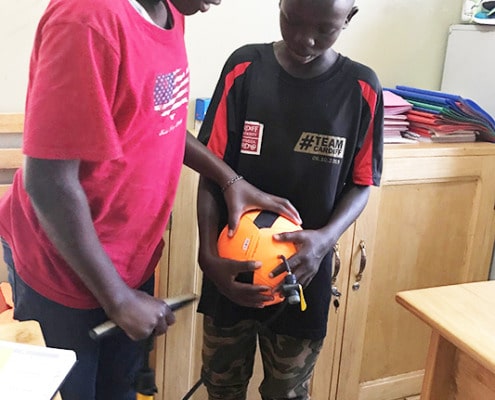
158	12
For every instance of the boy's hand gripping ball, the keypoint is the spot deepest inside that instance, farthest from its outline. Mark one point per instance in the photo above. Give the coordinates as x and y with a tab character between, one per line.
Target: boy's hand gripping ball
253	241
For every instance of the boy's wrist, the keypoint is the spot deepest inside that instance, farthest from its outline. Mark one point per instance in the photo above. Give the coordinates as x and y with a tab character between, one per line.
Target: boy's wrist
230	182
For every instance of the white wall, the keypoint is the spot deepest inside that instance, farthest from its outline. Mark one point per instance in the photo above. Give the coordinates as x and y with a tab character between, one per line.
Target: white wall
213	36
18	20
403	40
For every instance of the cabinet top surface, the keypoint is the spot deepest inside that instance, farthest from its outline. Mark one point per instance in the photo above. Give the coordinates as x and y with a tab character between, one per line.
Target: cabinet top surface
438	149
462	314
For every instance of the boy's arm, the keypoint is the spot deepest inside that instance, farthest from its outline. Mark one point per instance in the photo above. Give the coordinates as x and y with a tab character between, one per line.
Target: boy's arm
240	196
222	272
347	210
62	209
313	245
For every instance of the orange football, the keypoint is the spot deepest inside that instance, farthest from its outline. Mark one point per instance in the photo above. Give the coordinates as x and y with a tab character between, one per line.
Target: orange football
253	240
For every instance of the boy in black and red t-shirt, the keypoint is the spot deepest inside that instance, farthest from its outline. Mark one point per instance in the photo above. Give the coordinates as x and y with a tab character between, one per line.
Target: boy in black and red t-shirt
299	120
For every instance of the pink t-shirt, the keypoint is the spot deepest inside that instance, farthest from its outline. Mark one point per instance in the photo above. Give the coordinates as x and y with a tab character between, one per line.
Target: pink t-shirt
111	89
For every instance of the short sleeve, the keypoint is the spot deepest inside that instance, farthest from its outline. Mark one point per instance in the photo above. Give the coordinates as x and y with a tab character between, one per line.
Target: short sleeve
368	160
73	79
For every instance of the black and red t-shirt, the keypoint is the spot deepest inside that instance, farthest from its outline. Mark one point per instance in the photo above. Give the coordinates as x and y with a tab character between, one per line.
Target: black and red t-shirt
302	139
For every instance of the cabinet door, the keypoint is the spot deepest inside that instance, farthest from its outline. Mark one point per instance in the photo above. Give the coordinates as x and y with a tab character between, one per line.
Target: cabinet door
176	352
435	213
326	371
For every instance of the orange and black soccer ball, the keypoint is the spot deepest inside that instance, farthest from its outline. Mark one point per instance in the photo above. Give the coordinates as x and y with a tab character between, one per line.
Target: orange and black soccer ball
253	241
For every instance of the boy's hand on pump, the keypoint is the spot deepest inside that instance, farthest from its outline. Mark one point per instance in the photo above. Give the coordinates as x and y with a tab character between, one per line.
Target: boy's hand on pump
141	315
311	248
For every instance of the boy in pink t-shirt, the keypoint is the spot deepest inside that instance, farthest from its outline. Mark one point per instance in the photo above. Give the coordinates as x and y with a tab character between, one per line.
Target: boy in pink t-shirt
104	142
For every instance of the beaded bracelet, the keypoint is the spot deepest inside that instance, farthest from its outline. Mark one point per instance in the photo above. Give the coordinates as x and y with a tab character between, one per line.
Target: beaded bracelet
231	181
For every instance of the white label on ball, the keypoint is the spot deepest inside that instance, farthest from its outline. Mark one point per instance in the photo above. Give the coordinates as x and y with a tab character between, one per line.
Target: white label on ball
245	245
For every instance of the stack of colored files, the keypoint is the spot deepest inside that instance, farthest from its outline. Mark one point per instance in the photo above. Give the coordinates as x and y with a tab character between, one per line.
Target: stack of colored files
444	117
395	121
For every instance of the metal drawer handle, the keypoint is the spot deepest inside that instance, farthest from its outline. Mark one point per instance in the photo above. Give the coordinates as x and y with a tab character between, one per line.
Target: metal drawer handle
362	266
336	269
337	263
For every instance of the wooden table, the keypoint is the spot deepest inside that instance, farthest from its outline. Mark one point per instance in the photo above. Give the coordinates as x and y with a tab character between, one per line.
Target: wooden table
461	358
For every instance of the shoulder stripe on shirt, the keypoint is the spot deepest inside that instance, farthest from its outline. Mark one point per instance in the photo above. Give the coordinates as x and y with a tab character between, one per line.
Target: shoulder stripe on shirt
363	163
218	137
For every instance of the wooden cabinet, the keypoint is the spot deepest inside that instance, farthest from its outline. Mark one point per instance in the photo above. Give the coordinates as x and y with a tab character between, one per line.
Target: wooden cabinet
11	128
177	354
430	223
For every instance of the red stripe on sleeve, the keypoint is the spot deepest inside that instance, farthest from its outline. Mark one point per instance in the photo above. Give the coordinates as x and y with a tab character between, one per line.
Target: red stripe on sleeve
219	132
363	162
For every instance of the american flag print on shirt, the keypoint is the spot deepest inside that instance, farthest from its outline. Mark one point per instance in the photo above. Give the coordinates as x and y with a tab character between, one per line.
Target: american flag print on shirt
171	92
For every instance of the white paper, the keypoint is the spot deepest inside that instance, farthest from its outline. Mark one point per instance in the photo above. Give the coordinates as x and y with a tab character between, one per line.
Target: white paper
29	372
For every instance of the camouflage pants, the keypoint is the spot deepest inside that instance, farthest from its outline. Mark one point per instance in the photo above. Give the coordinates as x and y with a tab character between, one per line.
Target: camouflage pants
228	359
